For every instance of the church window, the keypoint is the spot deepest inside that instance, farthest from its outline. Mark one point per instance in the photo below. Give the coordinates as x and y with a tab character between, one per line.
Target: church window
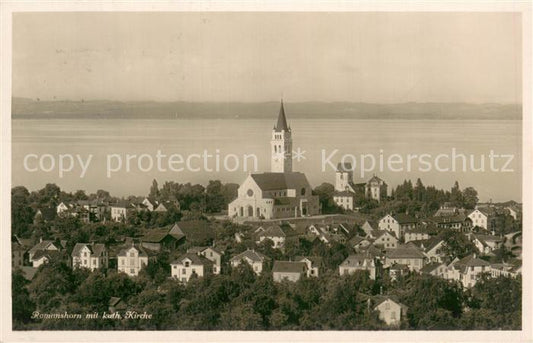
302	191
250	192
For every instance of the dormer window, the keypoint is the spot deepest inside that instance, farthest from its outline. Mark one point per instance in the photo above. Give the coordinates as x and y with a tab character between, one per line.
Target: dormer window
187	263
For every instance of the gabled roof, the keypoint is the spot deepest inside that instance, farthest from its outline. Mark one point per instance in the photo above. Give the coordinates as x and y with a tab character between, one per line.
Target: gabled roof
315	260
198	250
375	179
358	260
95	249
459	218
47	213
432	243
195	259
402	252
272	231
379	299
43	245
281	125
49	254
250	254
121	204
487	238
403	218
195	230
428	268
280	181
471	261
381	233
156	236
124	250
289	267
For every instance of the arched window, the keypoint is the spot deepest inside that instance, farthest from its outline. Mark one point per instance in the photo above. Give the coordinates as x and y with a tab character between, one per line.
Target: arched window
302	191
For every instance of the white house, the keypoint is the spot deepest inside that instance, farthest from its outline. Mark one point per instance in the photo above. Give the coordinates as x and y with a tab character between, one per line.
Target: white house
434	250
344	194
386	240
312	263
467	270
357	262
252	257
398	223
288	270
62	208
376	189
390	311
39	254
415	235
188	265
480	219
212	254
411	257
487	243
436	269
273	233
119	211
131	260
91	256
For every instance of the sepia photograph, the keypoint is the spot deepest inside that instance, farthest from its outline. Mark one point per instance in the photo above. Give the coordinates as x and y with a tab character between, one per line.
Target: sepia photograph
267	171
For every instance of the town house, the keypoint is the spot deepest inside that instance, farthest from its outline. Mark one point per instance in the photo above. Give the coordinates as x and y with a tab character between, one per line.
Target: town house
255	259
90	256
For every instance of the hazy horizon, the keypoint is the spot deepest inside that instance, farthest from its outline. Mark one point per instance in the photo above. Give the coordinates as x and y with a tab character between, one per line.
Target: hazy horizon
362	57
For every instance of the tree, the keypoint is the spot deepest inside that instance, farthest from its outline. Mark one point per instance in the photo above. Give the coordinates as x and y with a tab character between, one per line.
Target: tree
22	306
154	190
456	244
215	201
21	212
456	196
325	197
470	198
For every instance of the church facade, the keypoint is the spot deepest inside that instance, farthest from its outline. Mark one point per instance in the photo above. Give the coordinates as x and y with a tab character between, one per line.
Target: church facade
280	193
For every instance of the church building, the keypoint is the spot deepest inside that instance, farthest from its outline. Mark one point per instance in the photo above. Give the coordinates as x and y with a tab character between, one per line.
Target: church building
281	193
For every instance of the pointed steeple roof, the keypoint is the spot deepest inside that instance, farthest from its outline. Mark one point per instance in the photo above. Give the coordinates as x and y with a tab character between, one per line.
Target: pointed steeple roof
282	120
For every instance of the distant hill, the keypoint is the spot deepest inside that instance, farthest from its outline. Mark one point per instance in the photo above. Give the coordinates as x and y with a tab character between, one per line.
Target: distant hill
23	108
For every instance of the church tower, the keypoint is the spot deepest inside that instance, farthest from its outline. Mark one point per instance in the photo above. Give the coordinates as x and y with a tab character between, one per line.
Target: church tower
281	145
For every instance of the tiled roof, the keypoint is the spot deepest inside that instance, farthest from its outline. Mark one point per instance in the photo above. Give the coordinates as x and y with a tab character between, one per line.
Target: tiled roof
315	260
280	181
428	268
403	218
402	252
195	259
124	250
41	246
95	249
251	254
121	204
288	267
156	236
272	231
357	260
471	261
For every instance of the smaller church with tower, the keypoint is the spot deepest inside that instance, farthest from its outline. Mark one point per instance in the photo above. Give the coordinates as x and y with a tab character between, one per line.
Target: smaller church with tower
280	193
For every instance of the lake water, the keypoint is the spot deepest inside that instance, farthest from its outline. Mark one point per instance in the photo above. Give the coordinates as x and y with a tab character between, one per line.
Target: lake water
222	137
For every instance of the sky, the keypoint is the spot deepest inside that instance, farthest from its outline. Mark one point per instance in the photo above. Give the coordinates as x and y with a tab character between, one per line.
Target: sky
253	57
